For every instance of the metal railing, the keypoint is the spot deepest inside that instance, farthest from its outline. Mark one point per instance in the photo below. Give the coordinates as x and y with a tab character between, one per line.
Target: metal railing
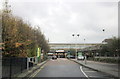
13	65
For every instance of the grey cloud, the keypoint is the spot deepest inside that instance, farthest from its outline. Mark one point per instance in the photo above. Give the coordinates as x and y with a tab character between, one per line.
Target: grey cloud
58	19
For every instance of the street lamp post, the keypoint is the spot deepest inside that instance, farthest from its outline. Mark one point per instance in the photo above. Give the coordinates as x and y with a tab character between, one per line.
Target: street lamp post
103	30
85	54
76	44
84	43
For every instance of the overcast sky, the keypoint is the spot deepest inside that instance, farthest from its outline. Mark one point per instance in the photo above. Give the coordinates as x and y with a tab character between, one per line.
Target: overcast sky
59	19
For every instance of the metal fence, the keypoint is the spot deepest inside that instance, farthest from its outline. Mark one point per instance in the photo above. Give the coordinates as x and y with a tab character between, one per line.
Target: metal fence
13	65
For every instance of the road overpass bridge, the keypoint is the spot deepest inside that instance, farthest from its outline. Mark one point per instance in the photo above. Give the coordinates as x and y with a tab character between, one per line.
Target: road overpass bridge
86	48
64	46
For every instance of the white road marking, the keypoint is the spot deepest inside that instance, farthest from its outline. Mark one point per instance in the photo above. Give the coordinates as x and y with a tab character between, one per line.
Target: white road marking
94	76
83	72
97	76
89	71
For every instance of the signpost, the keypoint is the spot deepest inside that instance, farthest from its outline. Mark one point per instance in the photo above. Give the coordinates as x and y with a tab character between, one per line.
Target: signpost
38	54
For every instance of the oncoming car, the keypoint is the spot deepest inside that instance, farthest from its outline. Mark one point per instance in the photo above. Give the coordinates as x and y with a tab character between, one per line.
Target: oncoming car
54	57
80	57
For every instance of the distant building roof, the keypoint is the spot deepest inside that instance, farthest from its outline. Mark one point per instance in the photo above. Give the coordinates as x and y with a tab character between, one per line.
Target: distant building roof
106	40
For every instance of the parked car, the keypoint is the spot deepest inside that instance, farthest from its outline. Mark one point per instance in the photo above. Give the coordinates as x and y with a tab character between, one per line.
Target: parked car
80	58
70	56
54	57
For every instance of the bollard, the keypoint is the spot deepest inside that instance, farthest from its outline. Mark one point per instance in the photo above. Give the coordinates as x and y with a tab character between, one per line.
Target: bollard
85	60
28	59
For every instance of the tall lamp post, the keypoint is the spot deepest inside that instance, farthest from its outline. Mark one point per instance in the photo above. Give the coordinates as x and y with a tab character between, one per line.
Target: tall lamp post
103	30
76	44
85	53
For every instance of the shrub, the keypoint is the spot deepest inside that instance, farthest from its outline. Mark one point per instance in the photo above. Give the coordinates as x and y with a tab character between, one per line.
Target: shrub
106	60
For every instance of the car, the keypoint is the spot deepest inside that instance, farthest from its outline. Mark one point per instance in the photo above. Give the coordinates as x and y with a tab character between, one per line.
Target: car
54	57
80	58
71	56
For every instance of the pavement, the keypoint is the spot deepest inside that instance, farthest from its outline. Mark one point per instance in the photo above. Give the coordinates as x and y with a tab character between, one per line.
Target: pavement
28	72
107	68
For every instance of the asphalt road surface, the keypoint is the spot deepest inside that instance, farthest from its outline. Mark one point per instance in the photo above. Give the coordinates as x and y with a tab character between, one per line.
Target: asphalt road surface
65	68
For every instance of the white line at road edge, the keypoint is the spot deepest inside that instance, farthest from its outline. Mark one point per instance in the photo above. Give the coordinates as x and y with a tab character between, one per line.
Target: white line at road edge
83	72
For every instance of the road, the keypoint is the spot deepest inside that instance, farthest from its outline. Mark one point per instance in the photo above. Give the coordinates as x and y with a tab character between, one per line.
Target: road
65	68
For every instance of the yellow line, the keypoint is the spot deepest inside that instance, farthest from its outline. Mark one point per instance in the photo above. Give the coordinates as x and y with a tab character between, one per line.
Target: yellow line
38	71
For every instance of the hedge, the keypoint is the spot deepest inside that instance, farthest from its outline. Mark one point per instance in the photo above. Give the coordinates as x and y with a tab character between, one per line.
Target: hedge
105	60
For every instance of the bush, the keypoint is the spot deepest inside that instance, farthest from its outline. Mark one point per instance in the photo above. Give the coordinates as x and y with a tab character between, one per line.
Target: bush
106	60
